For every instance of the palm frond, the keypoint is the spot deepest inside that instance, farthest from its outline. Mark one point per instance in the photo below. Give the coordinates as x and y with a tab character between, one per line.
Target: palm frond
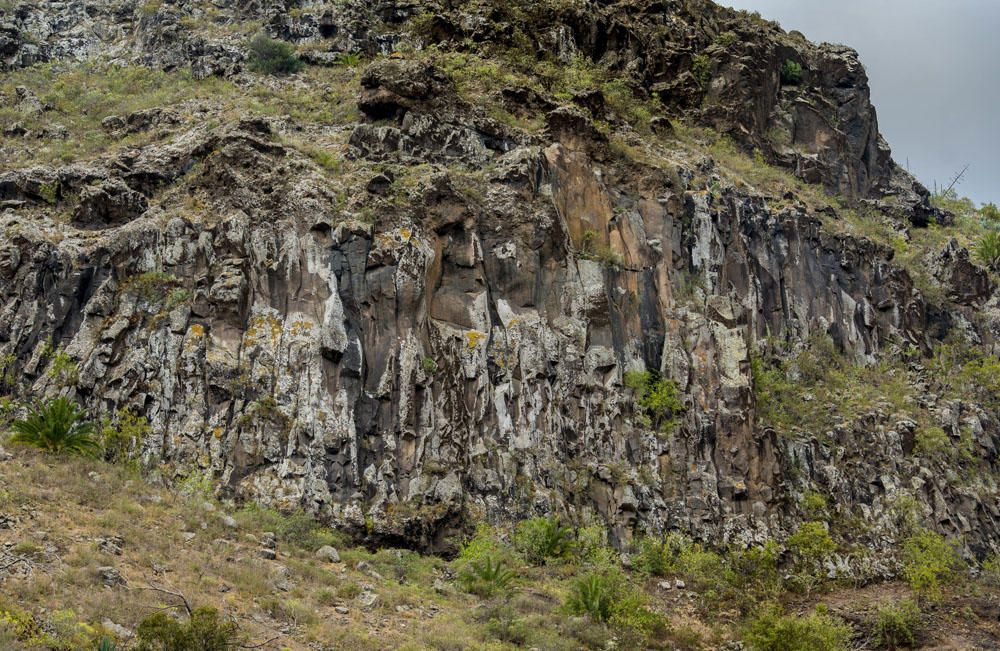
57	426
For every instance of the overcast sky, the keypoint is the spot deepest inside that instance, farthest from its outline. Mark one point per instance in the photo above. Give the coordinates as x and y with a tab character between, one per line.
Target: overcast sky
935	76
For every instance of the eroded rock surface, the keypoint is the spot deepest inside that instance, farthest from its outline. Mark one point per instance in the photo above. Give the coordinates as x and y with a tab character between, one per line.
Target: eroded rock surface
454	351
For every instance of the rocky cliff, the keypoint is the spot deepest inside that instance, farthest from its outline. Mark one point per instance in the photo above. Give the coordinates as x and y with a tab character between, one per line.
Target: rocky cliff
404	289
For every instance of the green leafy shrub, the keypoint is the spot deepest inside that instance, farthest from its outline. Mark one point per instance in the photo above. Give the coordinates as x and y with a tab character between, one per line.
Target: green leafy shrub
991	568
486	577
897	625
791	73
62	368
982	376
987	249
57	426
658	397
607	597
8	373
429	365
990	213
814	504
273	57
726	39
752	575
483	544
811	542
811	545
122	437
658	556
770	630
592	546
544	539
701	69
204	630
930	561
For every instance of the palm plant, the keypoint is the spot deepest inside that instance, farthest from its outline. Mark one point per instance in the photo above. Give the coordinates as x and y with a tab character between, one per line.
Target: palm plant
988	250
57	426
592	595
486	577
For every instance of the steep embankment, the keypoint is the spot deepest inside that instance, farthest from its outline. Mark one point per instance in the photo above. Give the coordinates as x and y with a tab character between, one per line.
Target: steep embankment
418	283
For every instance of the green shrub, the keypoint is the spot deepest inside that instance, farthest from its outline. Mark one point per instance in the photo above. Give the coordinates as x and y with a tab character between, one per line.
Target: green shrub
812	543
122	437
429	365
929	562
543	539
791	73
296	528
701	69
814	504
931	441
753	576
204	630
990	213
726	39
483	544
348	59
991	568
592	546
987	249
57	426
897	625
273	57
658	556
608	597
982	376
818	631
8	373
658	397
486	577
592	595
62	368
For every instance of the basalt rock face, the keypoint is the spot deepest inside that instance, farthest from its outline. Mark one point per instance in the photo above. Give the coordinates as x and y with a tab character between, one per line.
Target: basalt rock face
455	352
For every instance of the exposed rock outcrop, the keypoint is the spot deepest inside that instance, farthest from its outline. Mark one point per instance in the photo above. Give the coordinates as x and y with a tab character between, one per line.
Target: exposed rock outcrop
457	349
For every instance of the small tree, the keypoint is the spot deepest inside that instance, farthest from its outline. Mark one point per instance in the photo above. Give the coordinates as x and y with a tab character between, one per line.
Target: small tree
57	426
273	57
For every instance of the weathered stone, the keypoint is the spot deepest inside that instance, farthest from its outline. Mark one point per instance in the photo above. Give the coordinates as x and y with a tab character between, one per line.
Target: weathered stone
110	576
328	553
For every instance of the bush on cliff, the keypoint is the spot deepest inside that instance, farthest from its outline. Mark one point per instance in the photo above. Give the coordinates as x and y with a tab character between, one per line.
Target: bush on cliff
791	73
658	397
